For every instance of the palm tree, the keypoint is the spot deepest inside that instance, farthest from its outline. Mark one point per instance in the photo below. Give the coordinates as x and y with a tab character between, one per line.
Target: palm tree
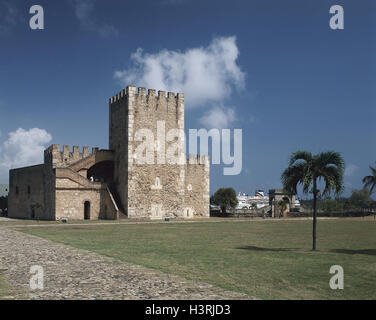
307	169
370	181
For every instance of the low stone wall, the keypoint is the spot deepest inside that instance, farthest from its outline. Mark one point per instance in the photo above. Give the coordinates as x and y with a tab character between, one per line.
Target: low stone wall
304	212
250	213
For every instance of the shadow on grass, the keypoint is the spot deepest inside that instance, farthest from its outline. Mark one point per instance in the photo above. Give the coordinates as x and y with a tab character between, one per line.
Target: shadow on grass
253	248
371	252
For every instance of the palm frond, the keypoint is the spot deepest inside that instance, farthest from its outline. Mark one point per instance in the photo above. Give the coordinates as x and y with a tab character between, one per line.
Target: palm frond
329	158
300	155
370	181
333	178
293	176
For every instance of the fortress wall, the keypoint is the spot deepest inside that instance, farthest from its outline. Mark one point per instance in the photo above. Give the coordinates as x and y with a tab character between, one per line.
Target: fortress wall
196	200
108	208
49	187
64	157
158	189
147	197
70	203
118	142
30	202
72	190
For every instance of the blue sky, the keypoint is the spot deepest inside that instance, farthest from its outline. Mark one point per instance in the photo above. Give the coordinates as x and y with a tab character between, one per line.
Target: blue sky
292	82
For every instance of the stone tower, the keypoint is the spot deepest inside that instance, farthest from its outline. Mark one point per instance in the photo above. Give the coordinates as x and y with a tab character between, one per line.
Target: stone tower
166	184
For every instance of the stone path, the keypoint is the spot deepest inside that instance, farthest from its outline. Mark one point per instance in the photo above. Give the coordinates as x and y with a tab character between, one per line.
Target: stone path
71	273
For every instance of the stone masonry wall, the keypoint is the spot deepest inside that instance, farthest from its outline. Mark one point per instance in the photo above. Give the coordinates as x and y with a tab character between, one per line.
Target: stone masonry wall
71	198
27	193
197	191
65	158
156	189
147	111
70	203
118	142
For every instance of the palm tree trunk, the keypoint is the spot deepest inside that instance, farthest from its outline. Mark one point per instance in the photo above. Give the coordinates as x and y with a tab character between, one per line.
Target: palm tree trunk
314	214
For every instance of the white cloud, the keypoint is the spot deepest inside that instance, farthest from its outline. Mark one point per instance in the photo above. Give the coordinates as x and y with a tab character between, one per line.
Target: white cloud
206	75
84	10
350	169
8	17
218	117
23	148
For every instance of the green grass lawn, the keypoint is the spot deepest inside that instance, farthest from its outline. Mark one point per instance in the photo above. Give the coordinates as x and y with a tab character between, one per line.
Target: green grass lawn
266	259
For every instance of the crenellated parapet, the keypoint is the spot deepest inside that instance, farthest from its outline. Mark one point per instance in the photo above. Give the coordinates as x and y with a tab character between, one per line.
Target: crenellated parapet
199	159
137	97
63	157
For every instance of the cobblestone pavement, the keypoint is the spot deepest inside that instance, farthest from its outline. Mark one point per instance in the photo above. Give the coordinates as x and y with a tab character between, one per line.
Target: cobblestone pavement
71	273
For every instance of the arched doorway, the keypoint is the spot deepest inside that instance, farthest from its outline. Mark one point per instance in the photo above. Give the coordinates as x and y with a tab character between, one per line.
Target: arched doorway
87	210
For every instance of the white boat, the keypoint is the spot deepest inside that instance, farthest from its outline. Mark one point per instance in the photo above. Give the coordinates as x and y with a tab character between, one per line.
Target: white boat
248	202
242	201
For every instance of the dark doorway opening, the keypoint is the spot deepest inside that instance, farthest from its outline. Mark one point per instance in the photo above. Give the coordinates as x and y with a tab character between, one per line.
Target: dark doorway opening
87	210
102	172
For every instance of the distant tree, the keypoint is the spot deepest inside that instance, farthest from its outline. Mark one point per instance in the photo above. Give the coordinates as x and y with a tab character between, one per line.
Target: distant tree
225	198
370	181
307	203
328	205
254	206
306	169
360	199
